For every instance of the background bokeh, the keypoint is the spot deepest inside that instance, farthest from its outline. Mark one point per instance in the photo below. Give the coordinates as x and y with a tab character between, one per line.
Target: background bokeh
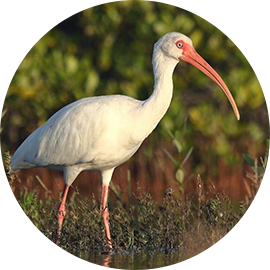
107	50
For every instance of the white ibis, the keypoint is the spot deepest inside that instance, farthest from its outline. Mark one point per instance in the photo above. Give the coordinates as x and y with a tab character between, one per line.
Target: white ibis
100	133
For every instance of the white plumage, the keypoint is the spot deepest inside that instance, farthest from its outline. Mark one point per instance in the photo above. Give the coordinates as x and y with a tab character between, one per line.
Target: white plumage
103	132
92	133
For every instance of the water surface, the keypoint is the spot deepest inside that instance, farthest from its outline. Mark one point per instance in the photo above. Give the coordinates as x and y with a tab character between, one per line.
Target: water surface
95	261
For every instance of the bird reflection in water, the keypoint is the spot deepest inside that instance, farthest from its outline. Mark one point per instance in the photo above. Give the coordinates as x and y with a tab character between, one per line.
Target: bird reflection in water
105	263
107	260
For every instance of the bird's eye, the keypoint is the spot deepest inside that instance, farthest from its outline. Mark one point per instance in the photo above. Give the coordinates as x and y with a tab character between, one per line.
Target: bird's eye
179	44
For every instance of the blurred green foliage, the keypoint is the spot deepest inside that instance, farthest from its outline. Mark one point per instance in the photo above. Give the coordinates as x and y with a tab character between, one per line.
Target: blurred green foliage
107	50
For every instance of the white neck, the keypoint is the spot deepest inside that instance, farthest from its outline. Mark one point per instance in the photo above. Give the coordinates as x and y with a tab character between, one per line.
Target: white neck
154	108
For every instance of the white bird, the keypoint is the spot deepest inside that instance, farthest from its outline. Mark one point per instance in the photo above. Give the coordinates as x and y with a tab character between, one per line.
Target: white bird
100	133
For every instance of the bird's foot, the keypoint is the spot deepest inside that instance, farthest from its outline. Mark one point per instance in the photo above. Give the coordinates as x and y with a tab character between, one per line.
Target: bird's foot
105	215
109	244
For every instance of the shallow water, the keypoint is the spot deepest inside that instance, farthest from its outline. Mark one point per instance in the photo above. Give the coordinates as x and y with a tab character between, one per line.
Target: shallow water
94	261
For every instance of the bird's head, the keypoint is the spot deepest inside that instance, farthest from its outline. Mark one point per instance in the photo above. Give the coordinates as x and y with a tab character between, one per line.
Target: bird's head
171	45
178	47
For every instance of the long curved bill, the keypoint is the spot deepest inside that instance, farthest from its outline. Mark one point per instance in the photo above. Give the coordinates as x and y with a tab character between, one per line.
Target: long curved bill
192	57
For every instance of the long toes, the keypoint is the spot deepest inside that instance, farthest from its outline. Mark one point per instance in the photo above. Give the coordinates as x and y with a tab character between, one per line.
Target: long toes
109	244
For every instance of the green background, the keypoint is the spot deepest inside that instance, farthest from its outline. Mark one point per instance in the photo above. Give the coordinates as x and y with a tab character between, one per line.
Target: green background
107	50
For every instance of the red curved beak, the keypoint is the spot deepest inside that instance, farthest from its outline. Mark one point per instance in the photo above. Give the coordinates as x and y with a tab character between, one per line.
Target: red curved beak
192	57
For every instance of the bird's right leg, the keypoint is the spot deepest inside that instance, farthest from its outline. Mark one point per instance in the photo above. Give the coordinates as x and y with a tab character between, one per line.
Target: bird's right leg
61	213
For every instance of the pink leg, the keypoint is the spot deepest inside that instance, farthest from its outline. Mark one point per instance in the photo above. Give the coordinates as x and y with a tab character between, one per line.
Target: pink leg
105	213
61	213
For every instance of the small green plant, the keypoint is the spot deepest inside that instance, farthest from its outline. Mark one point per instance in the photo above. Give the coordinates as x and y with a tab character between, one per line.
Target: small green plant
263	167
179	159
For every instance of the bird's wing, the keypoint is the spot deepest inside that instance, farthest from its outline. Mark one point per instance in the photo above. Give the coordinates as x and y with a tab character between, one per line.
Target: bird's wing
74	134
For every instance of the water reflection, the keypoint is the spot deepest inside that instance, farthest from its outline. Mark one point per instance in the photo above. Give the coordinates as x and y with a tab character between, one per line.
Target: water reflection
106	260
95	261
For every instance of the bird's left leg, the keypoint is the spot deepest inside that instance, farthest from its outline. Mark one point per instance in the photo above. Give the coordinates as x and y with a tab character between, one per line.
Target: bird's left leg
61	213
105	214
106	178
